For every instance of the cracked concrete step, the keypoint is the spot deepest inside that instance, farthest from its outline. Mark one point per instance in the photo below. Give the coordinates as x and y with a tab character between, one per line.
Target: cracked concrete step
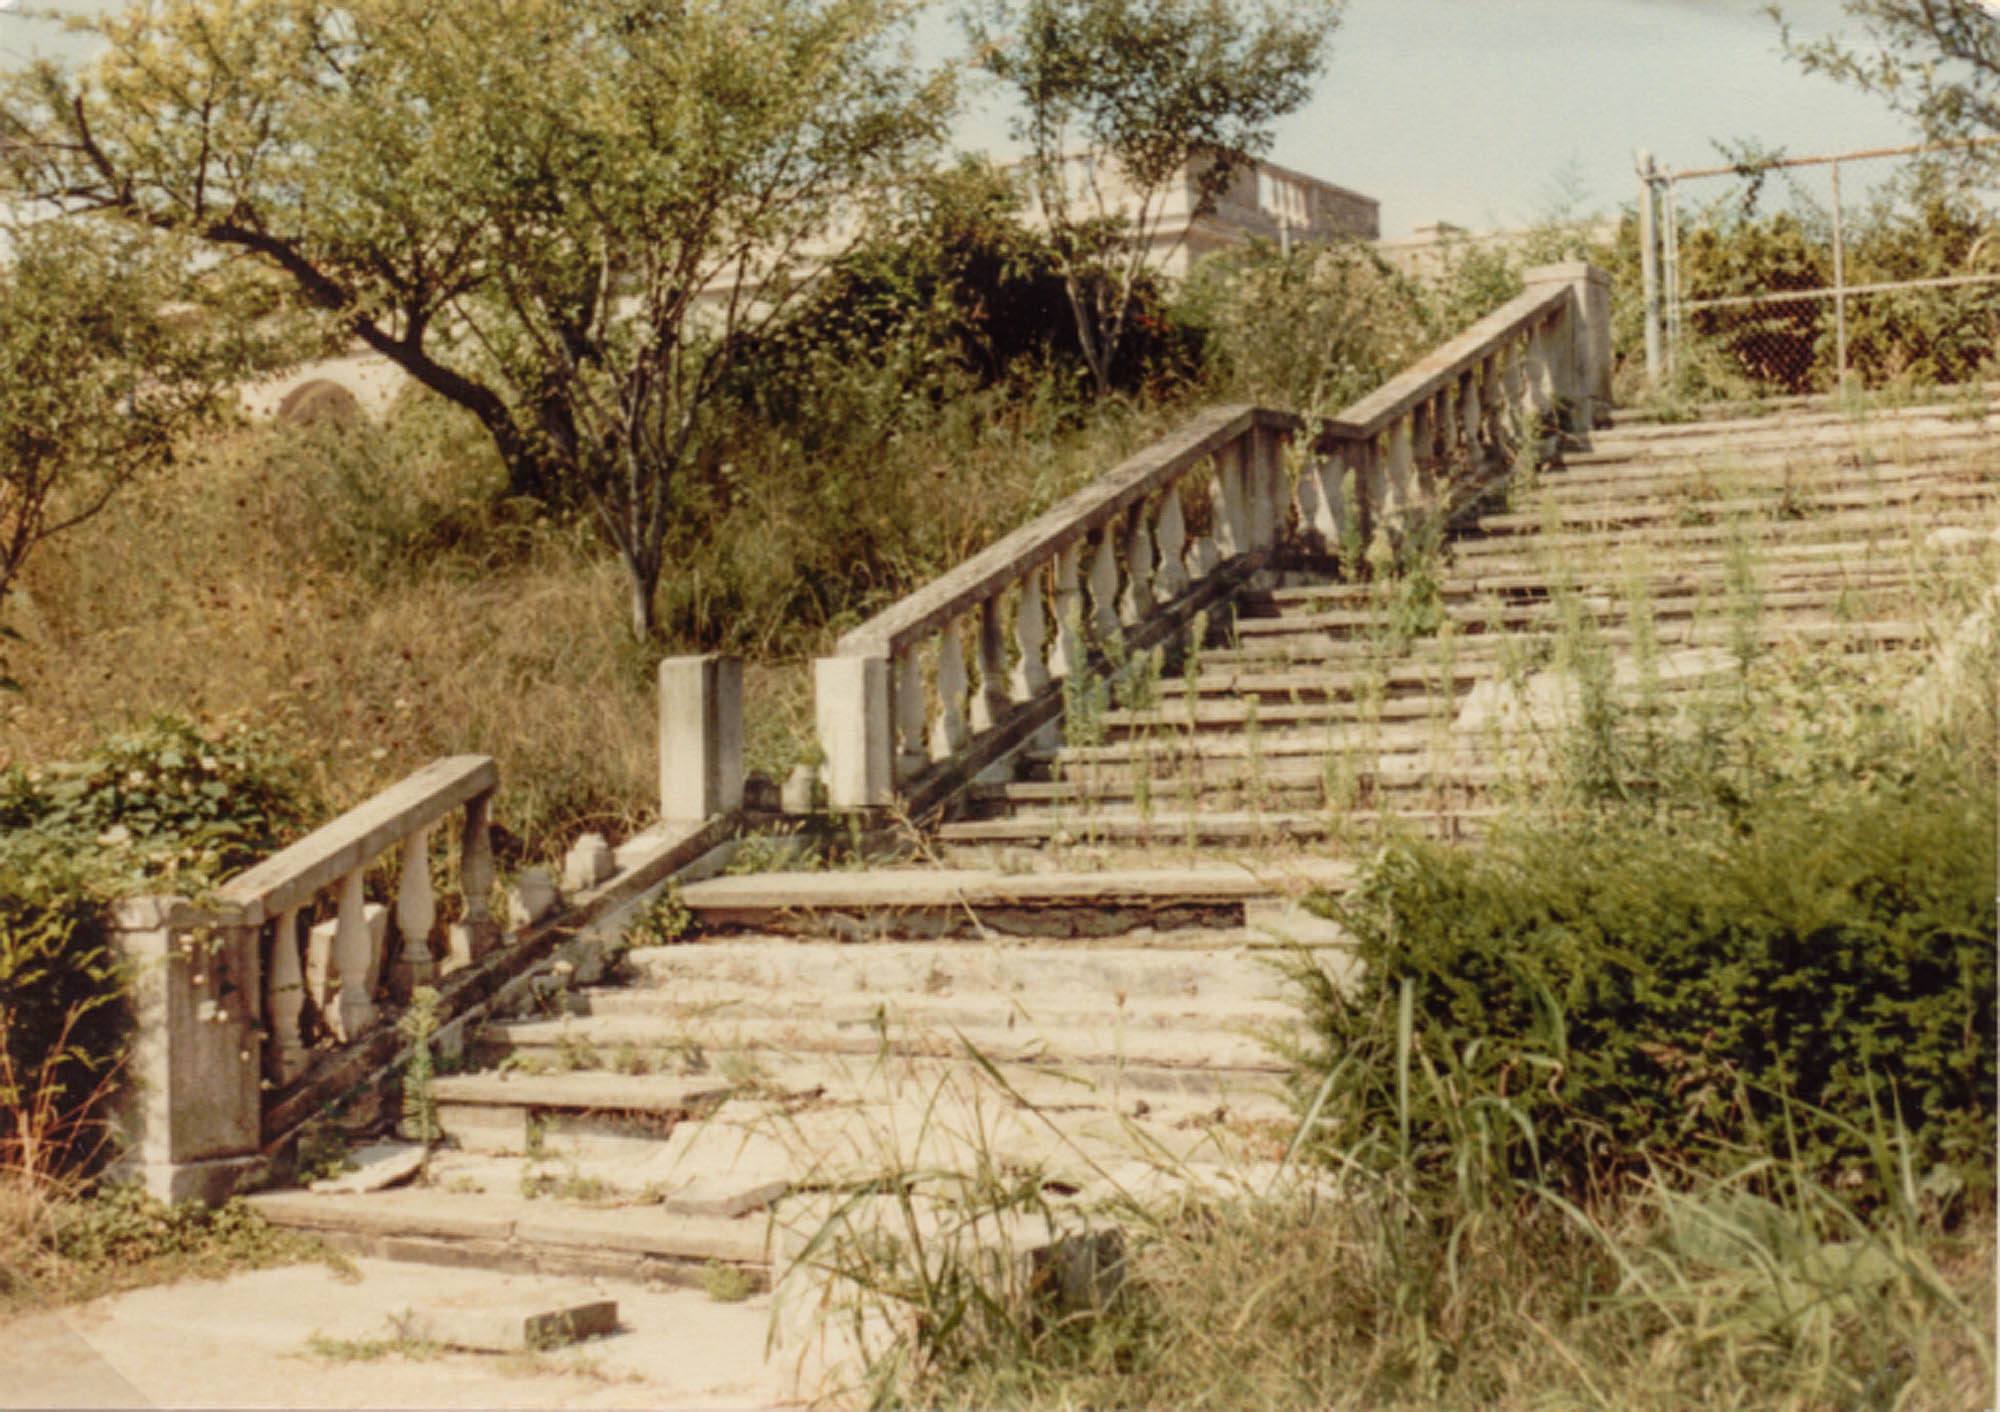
515	1233
1787	422
1170	826
1877	616
1317	784
1681	599
1855	458
1773	566
595	1112
1473	659
1551	513
1156	1039
934	902
1476	553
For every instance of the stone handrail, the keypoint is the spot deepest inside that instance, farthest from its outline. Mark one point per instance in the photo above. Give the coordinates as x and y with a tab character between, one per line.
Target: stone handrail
350	947
906	709
946	683
1421	440
219	979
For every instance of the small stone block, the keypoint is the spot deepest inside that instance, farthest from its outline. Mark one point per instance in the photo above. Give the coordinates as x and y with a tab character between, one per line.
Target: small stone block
378	1165
760	792
802	790
723	1196
508	1320
532	897
589	862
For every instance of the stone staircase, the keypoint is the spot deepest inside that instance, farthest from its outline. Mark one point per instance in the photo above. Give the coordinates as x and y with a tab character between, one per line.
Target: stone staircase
1077	979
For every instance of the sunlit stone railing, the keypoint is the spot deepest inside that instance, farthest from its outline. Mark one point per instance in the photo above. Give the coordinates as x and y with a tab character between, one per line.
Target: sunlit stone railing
970	666
1431	435
224	987
945	684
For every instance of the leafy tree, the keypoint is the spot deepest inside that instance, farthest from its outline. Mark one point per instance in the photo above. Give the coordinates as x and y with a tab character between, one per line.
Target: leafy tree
1123	100
1937	61
103	364
562	215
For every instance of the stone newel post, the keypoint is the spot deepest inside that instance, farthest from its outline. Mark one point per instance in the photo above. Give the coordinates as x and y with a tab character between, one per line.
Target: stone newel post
189	1107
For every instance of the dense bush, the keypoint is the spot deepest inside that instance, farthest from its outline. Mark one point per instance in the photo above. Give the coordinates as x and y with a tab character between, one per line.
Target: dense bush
1632	990
163	808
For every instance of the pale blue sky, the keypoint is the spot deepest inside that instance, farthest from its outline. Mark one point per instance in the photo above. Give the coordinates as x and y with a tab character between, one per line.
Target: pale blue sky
1478	111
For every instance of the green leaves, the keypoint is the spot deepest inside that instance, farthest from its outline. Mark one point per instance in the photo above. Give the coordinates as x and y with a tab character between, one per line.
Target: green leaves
1124	101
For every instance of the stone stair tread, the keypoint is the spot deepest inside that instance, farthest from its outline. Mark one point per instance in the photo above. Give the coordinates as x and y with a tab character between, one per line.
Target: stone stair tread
1099	1041
435	1214
1172	825
961	887
626	1093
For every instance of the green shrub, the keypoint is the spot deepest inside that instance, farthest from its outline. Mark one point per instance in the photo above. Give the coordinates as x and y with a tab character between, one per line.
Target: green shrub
1644	989
164	808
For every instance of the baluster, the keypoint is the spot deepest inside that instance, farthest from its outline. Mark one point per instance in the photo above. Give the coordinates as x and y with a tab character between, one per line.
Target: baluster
990	703
1468	417
1324	515
1031	630
352	945
1541	375
1423	451
948	735
476	932
911	713
1170	579
1138	599
1104	585
1513	408
284	998
1492	407
1399	471
416	908
1068	656
1231	532
1260	490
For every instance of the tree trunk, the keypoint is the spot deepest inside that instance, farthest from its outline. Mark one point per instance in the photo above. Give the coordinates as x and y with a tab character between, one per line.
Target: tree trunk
642	584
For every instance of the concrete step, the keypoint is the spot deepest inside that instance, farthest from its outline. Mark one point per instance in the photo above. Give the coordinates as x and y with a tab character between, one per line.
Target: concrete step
1318	668
1206	828
1496	617
515	1233
1774	566
1976	511
1567	508
938	902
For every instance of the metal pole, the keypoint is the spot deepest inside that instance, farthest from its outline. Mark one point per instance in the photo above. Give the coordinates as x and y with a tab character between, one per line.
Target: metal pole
1839	286
1649	265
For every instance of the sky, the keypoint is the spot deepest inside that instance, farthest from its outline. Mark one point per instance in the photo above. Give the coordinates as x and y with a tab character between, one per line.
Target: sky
1497	113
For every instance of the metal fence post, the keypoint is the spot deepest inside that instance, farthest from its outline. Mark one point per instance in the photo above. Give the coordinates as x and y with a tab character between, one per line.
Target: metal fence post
1839	287
1649	264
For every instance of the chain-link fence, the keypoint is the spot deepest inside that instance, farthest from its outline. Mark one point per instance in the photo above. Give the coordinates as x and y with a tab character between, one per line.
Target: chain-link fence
1797	274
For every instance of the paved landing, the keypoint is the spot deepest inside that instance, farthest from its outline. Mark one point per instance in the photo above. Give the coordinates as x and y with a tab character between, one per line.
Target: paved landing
244	1342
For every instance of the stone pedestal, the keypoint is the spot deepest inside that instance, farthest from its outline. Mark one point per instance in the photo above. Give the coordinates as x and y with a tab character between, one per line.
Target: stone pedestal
701	737
190	1107
851	699
1586	375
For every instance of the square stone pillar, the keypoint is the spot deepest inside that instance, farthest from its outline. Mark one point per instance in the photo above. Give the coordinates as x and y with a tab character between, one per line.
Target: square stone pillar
701	737
852	708
1586	377
190	1108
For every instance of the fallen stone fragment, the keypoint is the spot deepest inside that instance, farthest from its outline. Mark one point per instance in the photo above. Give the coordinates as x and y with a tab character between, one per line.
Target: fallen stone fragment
588	863
507	1320
378	1165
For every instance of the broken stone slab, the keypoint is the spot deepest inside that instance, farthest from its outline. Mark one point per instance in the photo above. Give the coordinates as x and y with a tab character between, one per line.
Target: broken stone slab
376	1166
589	862
507	1320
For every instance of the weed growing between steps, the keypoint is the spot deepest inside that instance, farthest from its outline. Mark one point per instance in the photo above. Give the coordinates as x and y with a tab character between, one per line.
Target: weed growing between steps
61	1244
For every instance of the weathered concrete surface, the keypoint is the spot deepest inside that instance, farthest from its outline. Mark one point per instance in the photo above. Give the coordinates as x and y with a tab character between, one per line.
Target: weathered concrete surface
243	1342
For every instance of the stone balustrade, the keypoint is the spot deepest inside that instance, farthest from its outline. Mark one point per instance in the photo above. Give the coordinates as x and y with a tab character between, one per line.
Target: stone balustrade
970	666
1426	439
945	684
219	980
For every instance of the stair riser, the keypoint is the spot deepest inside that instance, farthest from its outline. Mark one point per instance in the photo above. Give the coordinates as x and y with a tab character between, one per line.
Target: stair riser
1091	920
